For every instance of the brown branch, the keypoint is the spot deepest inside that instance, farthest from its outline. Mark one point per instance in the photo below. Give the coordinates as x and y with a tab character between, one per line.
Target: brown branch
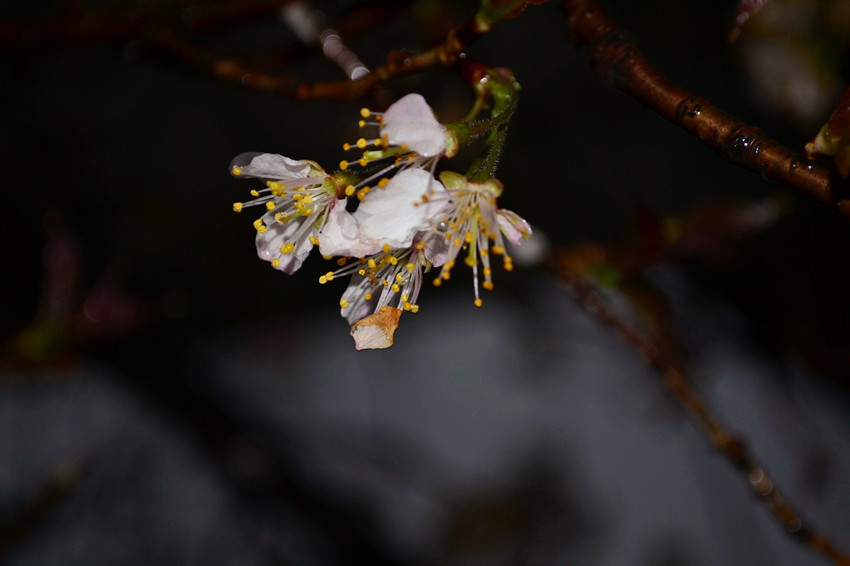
715	432
618	62
447	54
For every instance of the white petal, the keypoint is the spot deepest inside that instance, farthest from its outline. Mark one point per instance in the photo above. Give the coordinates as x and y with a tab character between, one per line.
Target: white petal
358	307
514	227
394	214
269	166
341	235
277	234
438	249
411	122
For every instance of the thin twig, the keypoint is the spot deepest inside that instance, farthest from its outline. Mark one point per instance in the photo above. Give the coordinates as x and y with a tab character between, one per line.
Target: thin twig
447	54
715	432
618	62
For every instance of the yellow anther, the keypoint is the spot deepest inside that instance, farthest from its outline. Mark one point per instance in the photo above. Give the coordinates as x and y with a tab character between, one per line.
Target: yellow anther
363	162
393	260
404	297
414	309
399	277
445	275
386	248
346	146
307	199
237	207
287	248
406	306
438	282
420	246
280	217
343	165
341	261
255	193
236	171
404	147
457	242
361	194
323	280
365	112
314	240
468	237
362	143
343	303
368	296
383	309
478	302
327	257
329	275
258	224
275	263
270	205
487	272
383	182
410	267
297	197
361	272
395	288
349	190
488	285
498	250
362	123
371	263
378	142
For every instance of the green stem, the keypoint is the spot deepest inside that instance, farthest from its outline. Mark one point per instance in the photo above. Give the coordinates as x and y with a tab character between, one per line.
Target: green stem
485	168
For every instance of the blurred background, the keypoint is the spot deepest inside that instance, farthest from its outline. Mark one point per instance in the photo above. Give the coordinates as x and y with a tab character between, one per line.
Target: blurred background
167	398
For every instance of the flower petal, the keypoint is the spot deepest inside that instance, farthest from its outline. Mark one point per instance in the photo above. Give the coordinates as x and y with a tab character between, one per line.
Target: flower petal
375	332
411	122
268	166
276	235
341	235
393	215
514	227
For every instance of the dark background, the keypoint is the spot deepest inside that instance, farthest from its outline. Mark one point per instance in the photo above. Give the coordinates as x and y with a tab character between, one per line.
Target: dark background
166	398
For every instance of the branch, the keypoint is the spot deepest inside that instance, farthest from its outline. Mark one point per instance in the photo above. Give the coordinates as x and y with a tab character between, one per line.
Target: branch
714	431
447	54
618	62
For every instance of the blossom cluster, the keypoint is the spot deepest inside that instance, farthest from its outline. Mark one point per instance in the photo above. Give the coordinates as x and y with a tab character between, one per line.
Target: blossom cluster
385	215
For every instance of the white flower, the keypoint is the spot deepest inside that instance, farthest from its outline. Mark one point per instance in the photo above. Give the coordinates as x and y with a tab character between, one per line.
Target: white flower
410	122
297	198
471	222
410	134
387	216
390	278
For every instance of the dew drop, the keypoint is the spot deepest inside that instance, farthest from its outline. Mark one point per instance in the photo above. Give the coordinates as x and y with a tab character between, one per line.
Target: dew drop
739	148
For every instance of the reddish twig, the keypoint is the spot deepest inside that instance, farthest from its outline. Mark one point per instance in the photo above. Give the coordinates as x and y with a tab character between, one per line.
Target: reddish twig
715	432
619	62
447	54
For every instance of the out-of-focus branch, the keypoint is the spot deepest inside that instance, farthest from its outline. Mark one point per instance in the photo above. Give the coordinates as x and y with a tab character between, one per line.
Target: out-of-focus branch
618	62
715	432
447	54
